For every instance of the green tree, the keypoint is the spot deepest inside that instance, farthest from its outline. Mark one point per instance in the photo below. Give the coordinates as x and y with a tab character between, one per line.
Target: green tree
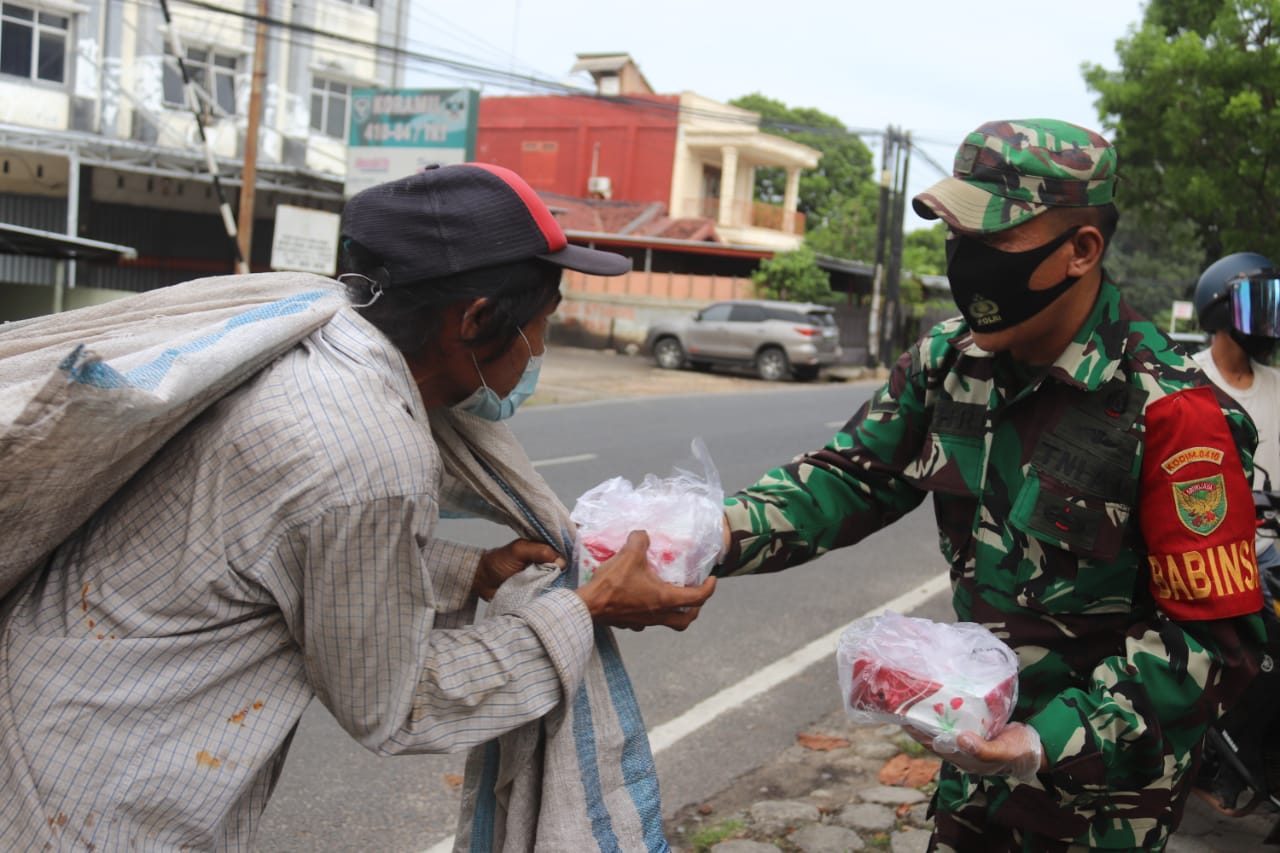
793	276
924	250
839	198
1155	261
1194	117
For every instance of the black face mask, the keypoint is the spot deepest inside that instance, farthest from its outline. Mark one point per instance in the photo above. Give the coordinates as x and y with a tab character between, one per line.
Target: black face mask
990	286
1257	347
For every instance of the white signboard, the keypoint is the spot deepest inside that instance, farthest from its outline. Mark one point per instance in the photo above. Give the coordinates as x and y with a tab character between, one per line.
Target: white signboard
1183	310
305	240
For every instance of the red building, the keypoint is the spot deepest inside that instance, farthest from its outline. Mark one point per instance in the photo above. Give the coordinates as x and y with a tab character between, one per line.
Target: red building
584	147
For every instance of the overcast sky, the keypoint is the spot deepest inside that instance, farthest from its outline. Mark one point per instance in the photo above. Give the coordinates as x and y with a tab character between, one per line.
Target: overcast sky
937	68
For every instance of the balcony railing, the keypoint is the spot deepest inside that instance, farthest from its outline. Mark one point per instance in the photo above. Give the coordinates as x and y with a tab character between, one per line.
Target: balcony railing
754	214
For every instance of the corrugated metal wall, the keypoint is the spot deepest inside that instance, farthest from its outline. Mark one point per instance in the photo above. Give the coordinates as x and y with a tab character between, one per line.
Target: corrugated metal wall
173	246
47	214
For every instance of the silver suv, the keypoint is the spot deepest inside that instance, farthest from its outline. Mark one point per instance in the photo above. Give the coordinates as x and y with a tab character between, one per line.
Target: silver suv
778	340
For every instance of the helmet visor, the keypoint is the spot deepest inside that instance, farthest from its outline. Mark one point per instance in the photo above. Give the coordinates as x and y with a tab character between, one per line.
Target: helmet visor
1255	304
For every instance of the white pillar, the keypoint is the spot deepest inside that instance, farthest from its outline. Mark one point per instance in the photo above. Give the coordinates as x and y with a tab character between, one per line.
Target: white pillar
790	196
73	212
728	180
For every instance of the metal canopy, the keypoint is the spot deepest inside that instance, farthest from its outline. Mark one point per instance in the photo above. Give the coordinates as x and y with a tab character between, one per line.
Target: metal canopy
128	155
32	242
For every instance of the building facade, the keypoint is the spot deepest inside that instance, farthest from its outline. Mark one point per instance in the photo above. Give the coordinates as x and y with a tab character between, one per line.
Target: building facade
695	156
99	140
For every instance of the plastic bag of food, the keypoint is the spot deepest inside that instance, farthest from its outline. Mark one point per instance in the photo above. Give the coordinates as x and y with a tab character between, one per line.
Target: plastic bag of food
683	515
939	678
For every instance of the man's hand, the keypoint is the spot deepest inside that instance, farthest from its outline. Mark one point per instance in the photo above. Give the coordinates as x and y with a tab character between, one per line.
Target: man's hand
626	593
511	559
1016	751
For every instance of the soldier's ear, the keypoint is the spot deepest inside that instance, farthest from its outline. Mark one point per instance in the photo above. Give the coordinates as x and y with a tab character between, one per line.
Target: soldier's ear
1087	246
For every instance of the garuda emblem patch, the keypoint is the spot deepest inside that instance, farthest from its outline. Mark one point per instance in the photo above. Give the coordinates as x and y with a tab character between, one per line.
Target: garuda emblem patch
1201	503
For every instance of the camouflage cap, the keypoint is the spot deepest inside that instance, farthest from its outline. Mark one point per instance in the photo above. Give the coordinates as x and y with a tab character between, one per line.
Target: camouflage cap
1006	172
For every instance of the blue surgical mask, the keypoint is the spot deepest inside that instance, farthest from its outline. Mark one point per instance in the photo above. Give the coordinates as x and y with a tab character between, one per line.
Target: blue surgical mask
485	403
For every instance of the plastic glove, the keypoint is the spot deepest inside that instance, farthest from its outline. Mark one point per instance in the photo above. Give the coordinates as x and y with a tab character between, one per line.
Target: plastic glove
1015	752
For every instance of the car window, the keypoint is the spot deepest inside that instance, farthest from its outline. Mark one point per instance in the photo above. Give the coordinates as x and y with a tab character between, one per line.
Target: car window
821	318
785	315
715	313
747	314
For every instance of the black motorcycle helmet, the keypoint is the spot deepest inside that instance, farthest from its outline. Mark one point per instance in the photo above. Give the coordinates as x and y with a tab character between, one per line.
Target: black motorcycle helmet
1213	294
1240	294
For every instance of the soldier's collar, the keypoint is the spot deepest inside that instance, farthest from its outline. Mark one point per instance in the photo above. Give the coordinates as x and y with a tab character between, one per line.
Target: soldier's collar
1091	358
1094	355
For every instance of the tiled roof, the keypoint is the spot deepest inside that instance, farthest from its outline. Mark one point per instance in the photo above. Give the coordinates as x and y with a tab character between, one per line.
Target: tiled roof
635	218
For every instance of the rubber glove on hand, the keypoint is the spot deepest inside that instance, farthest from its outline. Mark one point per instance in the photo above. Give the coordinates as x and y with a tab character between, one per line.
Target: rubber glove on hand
1015	752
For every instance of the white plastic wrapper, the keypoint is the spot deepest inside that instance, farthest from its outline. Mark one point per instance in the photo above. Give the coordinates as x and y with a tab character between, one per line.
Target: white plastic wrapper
937	677
683	515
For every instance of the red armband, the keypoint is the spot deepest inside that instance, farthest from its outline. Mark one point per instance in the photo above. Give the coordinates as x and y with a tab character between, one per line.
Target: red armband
1196	511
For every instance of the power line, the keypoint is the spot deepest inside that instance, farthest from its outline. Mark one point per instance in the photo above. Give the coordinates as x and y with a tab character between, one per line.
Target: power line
479	71
532	82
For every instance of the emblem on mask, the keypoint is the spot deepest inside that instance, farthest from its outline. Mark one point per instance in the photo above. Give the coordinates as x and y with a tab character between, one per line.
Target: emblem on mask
1202	503
983	311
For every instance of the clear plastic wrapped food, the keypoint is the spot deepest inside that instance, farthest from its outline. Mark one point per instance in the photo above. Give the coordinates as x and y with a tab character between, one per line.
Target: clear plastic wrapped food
939	678
683	515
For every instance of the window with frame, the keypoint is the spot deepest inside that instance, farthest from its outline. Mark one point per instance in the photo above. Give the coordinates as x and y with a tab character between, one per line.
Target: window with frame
330	107
213	72
33	43
747	314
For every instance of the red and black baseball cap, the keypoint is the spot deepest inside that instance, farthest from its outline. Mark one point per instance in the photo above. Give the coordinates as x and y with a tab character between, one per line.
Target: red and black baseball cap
446	220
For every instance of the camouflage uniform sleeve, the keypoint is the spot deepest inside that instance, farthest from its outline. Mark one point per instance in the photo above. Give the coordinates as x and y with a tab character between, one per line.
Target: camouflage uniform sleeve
1145	711
837	495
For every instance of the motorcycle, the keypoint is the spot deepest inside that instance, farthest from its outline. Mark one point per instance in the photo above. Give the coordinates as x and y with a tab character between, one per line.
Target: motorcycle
1242	750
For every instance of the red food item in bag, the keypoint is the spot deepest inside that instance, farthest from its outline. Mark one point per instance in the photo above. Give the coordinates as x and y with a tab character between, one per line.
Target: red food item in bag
879	688
1000	699
598	551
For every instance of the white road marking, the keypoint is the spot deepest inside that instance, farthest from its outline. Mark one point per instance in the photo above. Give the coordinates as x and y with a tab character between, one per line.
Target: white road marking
673	731
560	460
764	680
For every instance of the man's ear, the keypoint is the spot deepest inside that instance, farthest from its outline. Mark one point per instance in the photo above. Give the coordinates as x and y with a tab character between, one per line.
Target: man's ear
1087	246
473	317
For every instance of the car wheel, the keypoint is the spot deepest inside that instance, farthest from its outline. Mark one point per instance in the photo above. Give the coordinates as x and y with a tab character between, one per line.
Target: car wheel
772	365
668	353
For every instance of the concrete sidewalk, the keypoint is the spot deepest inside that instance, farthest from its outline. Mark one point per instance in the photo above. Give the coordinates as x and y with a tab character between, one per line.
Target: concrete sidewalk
845	787
576	375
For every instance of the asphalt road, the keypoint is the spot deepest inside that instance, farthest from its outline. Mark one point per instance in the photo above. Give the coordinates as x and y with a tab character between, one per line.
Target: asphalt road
335	796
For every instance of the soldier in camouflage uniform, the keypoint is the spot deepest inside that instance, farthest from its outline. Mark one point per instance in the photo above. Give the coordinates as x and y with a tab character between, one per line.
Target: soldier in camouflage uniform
1090	490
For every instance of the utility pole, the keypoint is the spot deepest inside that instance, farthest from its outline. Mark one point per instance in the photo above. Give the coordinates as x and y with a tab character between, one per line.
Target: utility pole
249	174
190	92
882	229
891	341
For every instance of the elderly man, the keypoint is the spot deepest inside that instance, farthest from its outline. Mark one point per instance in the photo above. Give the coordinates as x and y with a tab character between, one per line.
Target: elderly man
282	546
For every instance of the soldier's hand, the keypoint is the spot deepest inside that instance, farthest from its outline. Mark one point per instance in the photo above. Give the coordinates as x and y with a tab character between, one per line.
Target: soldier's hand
1016	751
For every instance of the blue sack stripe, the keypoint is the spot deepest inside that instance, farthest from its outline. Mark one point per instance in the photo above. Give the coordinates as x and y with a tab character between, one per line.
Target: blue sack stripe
147	377
640	775
486	804
584	741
